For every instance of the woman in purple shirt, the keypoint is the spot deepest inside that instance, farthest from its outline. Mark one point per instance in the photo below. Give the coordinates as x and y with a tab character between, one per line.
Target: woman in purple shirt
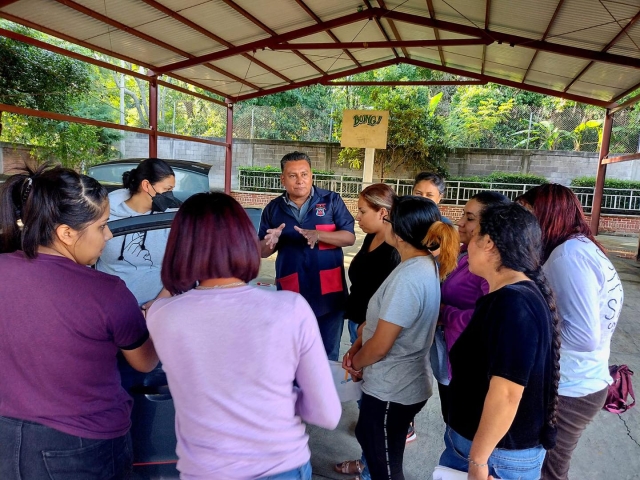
246	366
460	291
63	412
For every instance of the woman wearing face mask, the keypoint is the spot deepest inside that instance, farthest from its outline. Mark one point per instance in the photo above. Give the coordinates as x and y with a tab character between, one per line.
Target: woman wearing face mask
136	258
459	293
63	413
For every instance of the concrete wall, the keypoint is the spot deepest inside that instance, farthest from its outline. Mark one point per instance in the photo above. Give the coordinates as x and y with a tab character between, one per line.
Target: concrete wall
557	166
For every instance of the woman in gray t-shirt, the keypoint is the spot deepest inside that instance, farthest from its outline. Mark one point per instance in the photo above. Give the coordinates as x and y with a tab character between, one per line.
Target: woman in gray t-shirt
391	356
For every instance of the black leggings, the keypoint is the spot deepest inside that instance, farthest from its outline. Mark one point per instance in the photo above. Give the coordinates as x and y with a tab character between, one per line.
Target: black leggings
382	434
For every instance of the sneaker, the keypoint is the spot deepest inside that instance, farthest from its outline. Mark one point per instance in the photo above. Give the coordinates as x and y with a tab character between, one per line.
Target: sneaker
411	433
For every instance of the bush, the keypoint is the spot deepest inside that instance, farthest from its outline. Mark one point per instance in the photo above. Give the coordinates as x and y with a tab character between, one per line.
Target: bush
621	189
608	183
506	180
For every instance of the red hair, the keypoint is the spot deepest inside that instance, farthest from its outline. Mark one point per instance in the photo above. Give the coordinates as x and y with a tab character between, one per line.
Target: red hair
211	237
560	215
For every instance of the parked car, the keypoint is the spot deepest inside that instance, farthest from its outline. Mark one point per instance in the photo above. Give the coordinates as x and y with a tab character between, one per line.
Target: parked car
153	415
191	177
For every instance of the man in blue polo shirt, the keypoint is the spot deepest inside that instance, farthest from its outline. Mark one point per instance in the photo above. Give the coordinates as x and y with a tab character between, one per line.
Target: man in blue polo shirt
308	226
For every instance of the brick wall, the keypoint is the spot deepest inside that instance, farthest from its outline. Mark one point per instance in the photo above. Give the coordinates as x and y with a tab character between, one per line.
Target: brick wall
14	157
608	223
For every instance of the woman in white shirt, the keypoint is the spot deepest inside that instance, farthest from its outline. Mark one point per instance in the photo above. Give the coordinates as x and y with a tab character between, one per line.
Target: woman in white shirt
589	297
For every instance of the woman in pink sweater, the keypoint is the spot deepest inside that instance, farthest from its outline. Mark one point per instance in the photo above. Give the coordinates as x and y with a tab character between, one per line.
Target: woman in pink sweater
246	366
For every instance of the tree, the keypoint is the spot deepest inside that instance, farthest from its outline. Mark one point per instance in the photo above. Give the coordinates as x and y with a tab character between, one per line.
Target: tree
34	78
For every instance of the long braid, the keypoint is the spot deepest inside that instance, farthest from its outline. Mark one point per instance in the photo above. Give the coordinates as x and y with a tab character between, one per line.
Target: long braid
541	281
518	239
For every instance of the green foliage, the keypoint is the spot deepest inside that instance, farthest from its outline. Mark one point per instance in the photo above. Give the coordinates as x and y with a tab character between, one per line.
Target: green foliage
505	179
476	112
38	79
608	183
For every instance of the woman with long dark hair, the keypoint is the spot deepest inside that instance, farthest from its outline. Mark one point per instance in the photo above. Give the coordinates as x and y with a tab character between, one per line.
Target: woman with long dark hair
459	293
390	356
246	366
136	258
505	370
589	296
63	412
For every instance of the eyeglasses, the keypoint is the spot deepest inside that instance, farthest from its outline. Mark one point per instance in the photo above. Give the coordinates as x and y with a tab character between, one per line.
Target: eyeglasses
388	220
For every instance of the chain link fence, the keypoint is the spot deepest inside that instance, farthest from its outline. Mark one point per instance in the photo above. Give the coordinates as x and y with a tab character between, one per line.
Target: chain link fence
525	127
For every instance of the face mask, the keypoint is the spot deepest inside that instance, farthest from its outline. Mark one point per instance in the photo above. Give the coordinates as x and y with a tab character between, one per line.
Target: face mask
162	201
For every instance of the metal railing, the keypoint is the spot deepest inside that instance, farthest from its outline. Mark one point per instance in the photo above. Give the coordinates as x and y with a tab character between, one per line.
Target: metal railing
621	201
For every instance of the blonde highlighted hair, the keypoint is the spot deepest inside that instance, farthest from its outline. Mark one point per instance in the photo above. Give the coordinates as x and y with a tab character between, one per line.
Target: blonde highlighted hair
445	237
379	196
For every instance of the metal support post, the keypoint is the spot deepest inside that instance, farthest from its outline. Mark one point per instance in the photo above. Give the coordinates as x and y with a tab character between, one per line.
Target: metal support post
602	172
228	158
153	115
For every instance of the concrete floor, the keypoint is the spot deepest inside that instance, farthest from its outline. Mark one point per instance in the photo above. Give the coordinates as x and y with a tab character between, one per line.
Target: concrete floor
609	448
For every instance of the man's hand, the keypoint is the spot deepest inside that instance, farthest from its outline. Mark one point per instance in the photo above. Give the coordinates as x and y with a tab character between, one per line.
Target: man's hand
273	235
312	236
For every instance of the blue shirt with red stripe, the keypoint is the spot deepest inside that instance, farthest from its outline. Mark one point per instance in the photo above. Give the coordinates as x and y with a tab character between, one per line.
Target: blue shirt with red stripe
316	273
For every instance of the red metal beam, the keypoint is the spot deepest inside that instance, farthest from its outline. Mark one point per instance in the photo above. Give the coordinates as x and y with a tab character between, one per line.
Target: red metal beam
487	12
432	14
408	83
271	32
382	30
68	53
228	156
628	103
191	139
509	83
153	116
6	3
312	14
267	42
394	29
596	206
621	158
70	118
189	92
516	40
544	37
319	80
148	38
392	44
99	63
605	49
212	36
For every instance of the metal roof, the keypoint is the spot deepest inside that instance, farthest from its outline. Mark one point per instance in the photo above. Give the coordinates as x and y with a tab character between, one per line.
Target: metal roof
583	50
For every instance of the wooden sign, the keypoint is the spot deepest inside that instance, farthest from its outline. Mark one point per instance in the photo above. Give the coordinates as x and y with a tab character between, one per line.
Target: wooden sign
365	128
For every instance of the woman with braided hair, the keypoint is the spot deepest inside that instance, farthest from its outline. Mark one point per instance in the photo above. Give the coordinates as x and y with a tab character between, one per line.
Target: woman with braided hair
505	365
590	296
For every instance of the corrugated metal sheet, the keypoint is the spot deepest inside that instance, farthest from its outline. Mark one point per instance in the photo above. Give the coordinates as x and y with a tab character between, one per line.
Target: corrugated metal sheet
589	24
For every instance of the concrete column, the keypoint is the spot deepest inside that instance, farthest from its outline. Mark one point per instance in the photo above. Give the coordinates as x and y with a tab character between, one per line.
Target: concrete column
367	172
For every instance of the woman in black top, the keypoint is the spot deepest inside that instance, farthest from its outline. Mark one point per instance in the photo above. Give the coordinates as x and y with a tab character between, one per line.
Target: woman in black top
373	263
505	365
376	259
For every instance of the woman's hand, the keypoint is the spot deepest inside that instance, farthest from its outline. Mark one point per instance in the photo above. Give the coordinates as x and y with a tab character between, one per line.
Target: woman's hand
478	473
347	364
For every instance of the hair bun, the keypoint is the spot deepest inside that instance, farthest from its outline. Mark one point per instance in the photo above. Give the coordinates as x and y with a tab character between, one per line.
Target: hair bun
127	178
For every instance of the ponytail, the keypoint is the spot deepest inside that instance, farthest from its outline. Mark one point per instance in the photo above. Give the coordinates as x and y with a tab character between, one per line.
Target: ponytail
13	196
445	237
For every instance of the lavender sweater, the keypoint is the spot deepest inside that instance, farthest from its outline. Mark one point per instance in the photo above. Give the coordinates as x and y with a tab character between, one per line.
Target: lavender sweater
231	357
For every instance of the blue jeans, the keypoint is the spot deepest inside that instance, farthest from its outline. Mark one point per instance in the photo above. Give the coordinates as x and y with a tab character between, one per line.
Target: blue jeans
31	451
505	464
353	331
300	473
331	326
